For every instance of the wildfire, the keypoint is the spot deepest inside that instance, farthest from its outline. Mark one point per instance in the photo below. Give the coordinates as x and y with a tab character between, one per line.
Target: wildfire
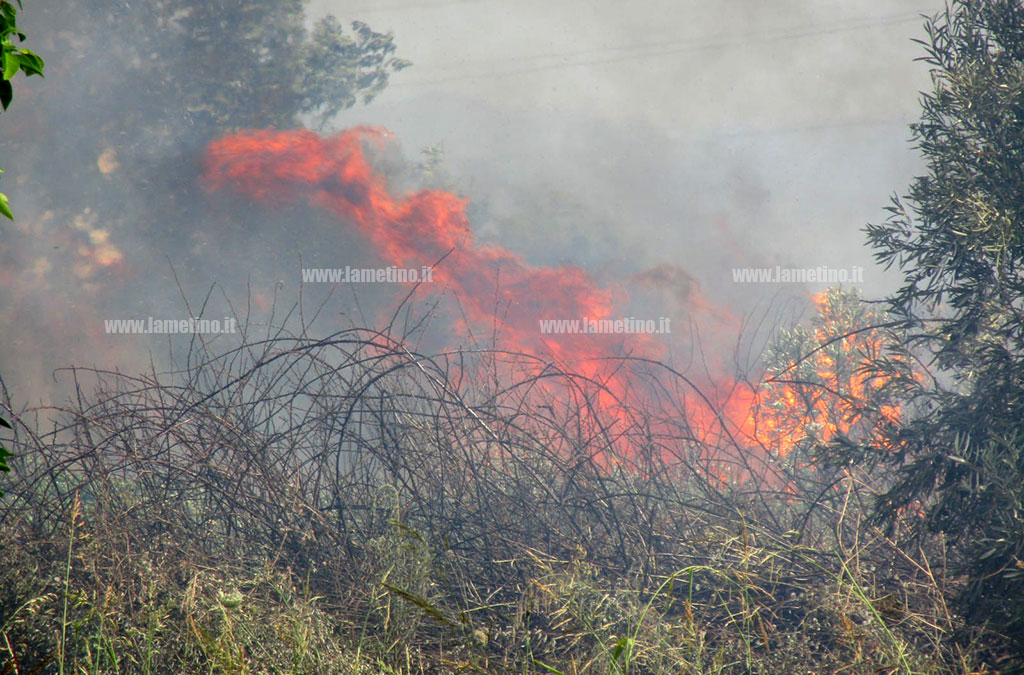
825	389
423	228
428	226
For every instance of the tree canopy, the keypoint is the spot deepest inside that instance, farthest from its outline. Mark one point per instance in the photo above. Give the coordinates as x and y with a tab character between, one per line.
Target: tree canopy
958	239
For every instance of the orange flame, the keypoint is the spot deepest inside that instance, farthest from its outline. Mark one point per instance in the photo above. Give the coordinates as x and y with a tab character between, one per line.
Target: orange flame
424	227
833	402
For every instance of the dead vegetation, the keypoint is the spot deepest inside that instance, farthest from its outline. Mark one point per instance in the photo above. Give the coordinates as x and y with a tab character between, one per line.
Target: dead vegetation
345	505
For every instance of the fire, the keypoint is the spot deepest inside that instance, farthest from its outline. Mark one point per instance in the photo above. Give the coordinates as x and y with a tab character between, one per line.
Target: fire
430	227
425	227
829	392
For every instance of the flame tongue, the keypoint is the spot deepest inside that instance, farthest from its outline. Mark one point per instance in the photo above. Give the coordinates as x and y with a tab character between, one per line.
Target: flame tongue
419	229
496	285
492	284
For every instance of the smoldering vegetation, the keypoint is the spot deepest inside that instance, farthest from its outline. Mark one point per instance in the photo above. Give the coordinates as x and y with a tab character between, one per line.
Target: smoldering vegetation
316	495
343	504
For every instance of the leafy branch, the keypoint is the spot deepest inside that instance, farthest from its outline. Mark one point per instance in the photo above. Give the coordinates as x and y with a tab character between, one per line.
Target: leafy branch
12	60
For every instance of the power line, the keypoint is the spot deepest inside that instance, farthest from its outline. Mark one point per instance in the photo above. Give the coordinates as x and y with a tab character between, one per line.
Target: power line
850	24
675	47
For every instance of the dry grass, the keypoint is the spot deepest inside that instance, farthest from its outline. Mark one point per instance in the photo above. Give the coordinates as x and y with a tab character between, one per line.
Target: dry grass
344	505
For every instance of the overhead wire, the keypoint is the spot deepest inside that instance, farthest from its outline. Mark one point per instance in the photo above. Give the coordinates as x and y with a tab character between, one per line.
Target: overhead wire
665	48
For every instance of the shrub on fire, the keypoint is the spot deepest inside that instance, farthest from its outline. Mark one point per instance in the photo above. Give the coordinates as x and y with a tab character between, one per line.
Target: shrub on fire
823	383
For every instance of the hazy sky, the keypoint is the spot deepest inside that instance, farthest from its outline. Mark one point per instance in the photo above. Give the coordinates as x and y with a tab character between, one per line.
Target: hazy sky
779	126
685	67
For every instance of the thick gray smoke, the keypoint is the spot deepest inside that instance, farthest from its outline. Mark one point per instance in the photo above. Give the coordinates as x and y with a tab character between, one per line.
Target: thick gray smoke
621	137
698	133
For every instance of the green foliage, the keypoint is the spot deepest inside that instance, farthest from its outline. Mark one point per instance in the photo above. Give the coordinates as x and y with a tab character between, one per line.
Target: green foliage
253	64
958	238
336	68
13	60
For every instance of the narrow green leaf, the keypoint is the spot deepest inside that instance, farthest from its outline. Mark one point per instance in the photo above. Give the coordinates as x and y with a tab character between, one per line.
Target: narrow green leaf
550	669
617	652
12	63
4	466
5	208
4	423
420	602
988	554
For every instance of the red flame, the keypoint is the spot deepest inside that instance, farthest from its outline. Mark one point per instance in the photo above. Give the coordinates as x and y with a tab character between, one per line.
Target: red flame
422	228
411	231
